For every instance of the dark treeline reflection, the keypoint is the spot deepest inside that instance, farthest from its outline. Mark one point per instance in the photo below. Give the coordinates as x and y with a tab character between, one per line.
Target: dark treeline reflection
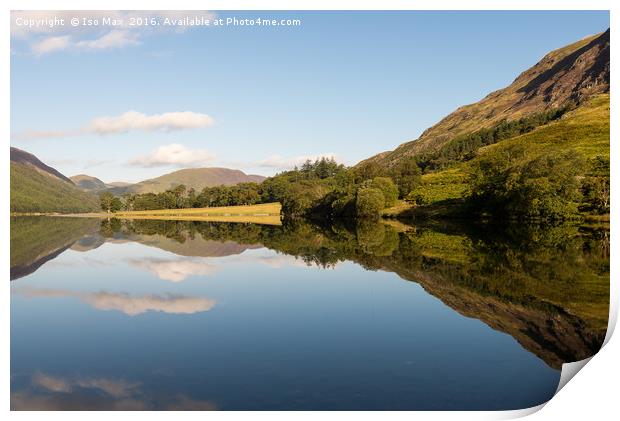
546	286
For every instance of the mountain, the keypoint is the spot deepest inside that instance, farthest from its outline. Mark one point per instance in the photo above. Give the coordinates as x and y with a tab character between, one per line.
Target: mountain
569	75
119	184
37	187
24	158
197	178
88	183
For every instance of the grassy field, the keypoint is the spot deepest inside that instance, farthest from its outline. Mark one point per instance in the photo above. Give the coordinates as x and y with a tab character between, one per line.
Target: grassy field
266	213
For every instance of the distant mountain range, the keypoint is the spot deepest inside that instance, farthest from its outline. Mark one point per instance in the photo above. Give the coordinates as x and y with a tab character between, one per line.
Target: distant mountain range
197	178
37	187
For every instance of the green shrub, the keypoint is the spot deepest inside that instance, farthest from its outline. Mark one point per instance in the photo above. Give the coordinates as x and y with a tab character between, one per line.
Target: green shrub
388	188
369	203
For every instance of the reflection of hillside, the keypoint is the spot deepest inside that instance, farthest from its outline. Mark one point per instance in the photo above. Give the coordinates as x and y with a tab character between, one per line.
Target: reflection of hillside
36	240
546	287
548	331
87	243
197	246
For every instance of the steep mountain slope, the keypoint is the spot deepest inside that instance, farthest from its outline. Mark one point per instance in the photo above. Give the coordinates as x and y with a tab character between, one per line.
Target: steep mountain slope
570	74
24	158
37	187
197	178
88	183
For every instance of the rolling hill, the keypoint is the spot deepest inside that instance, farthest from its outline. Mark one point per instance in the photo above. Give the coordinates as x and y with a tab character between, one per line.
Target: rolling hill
37	187
88	183
569	75
197	178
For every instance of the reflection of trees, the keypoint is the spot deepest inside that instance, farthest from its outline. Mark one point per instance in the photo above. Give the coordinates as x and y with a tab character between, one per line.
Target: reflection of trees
547	286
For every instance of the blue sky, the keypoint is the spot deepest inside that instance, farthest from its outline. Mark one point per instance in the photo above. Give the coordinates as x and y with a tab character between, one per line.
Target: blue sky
348	84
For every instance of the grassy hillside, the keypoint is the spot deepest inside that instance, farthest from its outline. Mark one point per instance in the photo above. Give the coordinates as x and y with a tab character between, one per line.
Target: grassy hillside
34	191
197	178
567	75
584	130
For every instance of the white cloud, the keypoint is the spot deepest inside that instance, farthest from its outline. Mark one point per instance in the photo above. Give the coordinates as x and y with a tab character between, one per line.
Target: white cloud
276	161
113	39
133	120
128	121
174	155
110	40
51	44
43	32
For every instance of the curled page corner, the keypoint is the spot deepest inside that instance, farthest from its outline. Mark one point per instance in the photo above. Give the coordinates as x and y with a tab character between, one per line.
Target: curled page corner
518	413
568	372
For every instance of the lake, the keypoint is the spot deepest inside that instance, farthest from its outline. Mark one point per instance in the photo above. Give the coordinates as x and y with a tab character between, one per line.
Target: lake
164	315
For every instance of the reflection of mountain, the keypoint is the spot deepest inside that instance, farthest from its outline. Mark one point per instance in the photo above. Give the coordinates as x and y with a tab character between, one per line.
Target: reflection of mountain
552	333
196	246
547	287
36	240
90	242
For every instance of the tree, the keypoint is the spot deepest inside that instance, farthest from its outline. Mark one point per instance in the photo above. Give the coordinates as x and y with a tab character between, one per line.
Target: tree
596	193
368	171
179	193
511	183
129	200
388	188
369	202
191	198
407	175
116	204
106	199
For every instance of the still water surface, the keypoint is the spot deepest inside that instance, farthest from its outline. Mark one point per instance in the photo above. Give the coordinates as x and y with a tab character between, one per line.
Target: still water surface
178	315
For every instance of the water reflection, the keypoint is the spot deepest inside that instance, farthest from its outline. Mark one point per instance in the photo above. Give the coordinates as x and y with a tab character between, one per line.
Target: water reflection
52	393
547	287
125	303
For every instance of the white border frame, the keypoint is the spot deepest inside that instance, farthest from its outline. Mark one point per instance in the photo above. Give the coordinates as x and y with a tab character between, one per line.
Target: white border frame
591	395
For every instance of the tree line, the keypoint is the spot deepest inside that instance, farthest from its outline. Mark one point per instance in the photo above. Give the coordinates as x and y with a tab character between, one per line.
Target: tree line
322	188
464	147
